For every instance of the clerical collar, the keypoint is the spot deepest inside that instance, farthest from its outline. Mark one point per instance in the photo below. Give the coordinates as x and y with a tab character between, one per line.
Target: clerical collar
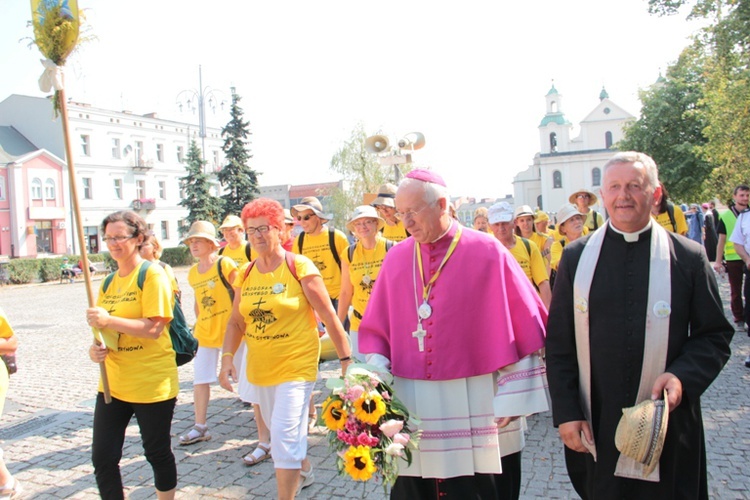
443	234
632	237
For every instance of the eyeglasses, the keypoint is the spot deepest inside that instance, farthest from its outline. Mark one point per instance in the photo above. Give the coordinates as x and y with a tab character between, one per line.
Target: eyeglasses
305	217
260	229
583	196
116	239
364	223
411	213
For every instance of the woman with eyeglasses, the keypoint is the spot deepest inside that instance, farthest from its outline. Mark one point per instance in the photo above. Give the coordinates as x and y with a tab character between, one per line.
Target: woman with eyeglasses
279	294
131	317
360	266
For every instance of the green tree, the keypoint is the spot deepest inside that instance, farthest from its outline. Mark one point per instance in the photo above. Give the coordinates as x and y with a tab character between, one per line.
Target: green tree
671	126
240	182
361	174
725	105
199	201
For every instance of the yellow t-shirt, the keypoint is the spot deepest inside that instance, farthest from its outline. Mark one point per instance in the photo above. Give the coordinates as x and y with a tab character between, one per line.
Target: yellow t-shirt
239	254
280	328
214	303
557	249
140	370
6	332
317	249
172	278
532	263
589	222
394	233
366	263
541	240
679	219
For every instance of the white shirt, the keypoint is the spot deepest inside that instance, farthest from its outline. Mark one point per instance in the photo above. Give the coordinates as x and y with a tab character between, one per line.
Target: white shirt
741	233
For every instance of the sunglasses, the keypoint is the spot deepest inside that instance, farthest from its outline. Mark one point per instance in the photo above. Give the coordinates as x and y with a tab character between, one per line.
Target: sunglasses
305	217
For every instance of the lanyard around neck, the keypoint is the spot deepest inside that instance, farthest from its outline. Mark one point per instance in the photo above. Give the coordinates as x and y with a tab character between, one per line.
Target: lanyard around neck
451	248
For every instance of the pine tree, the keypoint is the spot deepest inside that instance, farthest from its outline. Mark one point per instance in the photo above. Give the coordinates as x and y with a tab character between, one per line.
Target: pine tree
198	199
240	182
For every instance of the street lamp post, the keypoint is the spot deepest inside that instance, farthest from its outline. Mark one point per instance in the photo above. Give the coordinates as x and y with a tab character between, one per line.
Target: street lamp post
190	97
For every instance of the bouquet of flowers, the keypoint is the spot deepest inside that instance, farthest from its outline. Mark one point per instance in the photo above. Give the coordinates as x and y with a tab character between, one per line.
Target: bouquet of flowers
367	425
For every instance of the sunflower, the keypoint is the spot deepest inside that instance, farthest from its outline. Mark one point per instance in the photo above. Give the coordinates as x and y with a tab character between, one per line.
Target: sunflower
334	414
369	407
358	463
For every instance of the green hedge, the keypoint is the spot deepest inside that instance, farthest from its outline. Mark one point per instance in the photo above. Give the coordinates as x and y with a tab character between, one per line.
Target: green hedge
19	271
178	256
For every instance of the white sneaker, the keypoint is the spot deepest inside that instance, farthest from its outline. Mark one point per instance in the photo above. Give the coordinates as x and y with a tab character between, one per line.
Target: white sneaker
306	479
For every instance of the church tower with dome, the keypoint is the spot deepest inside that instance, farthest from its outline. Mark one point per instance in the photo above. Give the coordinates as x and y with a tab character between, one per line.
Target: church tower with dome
566	163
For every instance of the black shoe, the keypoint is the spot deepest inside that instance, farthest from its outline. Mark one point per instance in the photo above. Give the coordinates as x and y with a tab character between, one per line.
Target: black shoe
747	361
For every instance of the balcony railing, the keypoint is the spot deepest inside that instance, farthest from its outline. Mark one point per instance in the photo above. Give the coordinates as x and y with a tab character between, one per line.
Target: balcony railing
144	204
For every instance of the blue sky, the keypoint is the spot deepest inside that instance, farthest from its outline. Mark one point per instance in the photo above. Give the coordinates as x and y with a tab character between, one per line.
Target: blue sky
471	76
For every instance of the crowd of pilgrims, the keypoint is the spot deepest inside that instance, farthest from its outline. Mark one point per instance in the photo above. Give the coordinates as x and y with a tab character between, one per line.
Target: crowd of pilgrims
276	271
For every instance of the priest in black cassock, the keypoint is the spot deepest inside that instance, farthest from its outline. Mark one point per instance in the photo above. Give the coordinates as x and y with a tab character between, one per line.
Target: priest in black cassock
635	310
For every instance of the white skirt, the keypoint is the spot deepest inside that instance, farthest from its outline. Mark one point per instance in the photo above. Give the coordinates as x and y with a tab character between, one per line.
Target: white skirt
459	434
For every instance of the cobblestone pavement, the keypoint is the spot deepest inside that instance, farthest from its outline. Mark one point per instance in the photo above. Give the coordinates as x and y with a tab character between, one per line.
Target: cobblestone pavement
46	427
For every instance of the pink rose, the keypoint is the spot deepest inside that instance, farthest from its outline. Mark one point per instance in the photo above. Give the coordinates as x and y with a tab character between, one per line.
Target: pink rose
402	439
354	392
391	427
366	440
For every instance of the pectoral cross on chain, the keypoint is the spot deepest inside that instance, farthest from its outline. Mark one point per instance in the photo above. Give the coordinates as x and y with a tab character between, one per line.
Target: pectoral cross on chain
419	335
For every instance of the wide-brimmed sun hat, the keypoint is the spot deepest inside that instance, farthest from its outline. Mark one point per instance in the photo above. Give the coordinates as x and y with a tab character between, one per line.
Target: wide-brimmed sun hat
641	432
364	212
202	229
386	196
566	212
288	219
500	212
524	210
310	203
593	200
231	221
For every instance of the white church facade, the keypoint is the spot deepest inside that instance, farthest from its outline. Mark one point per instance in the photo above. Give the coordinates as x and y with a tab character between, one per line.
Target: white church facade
566	164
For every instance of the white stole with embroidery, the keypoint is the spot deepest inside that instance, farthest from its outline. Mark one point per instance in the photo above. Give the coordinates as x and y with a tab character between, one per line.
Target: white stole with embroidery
657	329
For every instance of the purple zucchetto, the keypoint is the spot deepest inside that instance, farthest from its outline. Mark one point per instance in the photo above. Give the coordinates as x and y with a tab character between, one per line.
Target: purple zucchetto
424	175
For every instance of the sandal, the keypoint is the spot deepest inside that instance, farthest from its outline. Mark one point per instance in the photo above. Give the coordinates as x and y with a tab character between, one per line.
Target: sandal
306	478
195	435
13	492
253	458
312	417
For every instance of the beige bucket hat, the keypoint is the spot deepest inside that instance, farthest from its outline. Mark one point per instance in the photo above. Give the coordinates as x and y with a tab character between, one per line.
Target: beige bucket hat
386	196
364	212
202	229
310	203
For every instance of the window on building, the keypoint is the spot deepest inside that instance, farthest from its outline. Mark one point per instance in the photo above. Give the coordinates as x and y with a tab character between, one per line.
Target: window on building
36	189
160	153
163	190
596	177
49	190
216	161
556	179
117	184
553	142
43	232
539	202
164	230
608	139
138	152
116	151
86	145
553	106
87	188
140	189
2	188
180	154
